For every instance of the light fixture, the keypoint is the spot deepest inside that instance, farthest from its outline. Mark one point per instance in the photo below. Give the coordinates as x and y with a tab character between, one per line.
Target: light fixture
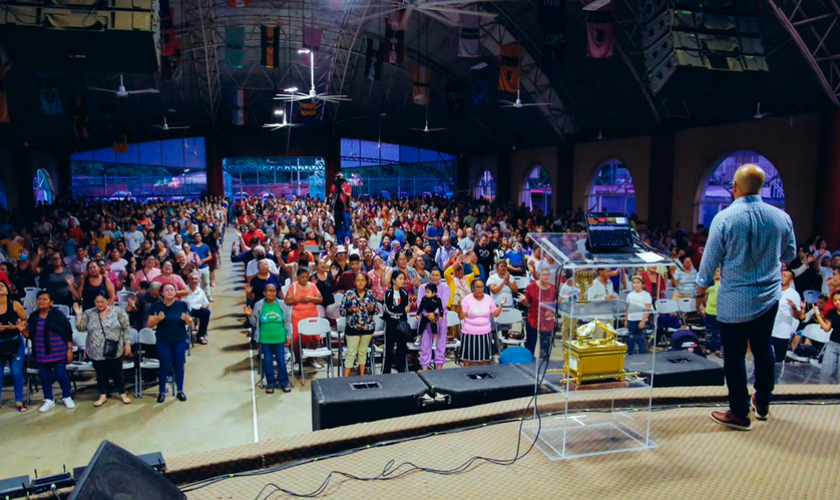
304	51
290	90
480	65
278	112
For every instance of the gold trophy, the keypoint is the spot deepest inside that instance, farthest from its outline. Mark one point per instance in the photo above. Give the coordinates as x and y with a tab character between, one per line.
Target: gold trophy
583	280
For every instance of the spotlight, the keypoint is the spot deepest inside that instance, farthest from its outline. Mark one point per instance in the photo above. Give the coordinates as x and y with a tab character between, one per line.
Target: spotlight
290	90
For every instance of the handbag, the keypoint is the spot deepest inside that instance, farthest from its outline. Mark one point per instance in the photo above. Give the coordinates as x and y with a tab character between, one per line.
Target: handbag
111	349
405	331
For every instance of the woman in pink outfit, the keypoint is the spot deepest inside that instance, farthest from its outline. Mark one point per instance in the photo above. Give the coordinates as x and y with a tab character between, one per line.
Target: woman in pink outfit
476	326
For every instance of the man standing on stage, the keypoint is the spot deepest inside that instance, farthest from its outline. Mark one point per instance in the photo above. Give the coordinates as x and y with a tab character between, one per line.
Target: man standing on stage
747	241
341	192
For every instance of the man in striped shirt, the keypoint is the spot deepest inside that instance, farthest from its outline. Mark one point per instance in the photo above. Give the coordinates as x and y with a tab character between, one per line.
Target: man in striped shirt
747	241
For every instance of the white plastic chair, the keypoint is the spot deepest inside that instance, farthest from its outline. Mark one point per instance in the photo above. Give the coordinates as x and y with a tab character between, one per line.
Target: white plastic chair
125	295
521	282
319	327
145	337
64	309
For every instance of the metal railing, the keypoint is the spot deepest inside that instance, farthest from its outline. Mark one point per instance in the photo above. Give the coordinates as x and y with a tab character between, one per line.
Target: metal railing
403	187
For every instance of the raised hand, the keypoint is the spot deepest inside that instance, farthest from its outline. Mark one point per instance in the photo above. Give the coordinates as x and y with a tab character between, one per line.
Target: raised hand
69	279
21	325
249	289
248	311
77	308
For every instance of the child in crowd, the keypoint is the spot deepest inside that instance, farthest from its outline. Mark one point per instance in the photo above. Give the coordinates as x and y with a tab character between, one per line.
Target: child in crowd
430	309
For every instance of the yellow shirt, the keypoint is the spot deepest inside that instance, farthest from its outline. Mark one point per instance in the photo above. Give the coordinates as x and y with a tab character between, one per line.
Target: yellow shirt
711	299
102	242
13	247
449	276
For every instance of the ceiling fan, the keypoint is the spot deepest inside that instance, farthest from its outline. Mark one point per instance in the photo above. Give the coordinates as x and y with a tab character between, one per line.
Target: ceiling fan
295	95
758	114
602	137
519	104
165	127
426	129
444	11
282	124
121	92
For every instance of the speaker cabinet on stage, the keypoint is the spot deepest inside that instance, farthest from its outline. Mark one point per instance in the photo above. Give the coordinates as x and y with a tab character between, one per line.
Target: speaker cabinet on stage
353	400
480	384
114	473
676	369
686	37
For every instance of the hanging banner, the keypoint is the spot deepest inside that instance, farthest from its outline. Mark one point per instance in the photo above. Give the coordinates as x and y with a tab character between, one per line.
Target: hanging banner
120	144
234	46
456	100
468	37
270	46
309	113
394	42
51	102
421	89
239	3
374	57
553	19
510	57
239	107
600	33
480	79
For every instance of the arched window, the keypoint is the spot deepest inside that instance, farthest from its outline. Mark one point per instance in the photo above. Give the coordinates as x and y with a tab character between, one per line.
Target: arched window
612	189
486	186
43	187
715	194
536	190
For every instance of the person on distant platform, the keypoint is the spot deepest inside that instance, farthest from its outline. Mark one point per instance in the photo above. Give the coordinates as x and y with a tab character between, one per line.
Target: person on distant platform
747	241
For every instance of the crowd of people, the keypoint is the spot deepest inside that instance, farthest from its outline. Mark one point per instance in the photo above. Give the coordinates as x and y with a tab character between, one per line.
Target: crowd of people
369	265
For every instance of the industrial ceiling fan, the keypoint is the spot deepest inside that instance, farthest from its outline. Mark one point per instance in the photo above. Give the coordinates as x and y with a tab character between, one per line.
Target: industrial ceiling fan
313	94
758	114
519	104
165	127
122	92
284	123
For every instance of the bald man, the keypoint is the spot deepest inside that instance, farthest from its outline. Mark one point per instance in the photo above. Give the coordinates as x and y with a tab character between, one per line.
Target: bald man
747	241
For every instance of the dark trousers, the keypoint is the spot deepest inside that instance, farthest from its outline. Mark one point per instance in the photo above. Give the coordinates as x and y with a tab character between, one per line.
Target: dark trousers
203	317
107	370
780	349
394	339
712	333
50	372
172	359
636	337
757	333
270	353
424	322
531	336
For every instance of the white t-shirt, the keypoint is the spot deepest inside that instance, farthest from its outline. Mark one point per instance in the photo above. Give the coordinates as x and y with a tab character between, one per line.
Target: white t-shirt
134	240
118	266
641	299
254	268
504	294
783	326
599	291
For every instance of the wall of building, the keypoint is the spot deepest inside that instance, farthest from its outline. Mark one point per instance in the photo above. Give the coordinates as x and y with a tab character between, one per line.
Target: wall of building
522	162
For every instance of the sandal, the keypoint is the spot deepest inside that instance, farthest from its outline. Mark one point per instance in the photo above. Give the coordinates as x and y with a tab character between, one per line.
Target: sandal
203	341
125	400
270	390
99	403
22	408
287	389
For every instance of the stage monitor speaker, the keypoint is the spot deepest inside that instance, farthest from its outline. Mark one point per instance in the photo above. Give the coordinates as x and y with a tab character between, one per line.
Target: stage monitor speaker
701	23
352	400
114	473
553	378
676	369
702	50
479	384
652	8
688	64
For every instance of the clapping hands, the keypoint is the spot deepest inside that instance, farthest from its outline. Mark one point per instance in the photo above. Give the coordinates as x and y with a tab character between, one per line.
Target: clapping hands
248	311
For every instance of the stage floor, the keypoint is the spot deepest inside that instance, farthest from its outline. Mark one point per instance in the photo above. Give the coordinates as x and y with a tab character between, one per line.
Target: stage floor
793	455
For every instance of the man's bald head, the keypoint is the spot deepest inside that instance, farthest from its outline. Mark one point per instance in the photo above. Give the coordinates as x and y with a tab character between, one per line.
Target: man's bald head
750	179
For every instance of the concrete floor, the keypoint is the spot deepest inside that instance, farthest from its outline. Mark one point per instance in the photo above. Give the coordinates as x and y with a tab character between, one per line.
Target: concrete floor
223	408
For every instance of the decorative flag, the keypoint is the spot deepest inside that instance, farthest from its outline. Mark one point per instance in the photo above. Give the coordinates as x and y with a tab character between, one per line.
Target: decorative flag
509	67
239	3
553	18
421	89
4	104
455	100
120	143
51	102
374	57
480	85
600	33
394	42
170	54
270	46
311	41
309	113
234	45
80	118
468	37
239	104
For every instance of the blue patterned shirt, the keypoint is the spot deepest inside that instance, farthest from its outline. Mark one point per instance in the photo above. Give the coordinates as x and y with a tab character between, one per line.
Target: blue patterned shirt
747	241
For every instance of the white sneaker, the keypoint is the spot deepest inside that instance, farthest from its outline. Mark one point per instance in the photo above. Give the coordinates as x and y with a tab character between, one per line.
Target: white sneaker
48	405
68	402
440	398
427	399
316	364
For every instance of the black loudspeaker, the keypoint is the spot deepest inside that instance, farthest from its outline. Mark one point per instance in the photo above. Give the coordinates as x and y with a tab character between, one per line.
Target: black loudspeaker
114	473
479	384
544	374
676	369
353	400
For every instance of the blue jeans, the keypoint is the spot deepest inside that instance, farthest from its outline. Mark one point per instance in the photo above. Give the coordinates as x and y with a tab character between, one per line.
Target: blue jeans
531	335
16	366
48	378
712	333
757	333
171	357
830	363
270	352
635	338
